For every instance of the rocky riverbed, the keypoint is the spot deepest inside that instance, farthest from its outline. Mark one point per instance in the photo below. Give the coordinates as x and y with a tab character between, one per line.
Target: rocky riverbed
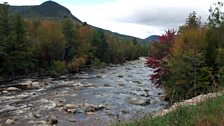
97	98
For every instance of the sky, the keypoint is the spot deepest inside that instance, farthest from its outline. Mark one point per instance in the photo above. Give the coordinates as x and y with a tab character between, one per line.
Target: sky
139	18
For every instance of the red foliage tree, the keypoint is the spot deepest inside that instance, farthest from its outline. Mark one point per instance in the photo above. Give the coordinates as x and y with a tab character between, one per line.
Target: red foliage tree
160	51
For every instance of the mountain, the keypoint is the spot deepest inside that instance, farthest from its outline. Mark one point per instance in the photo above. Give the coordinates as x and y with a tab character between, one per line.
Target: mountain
51	9
152	38
47	9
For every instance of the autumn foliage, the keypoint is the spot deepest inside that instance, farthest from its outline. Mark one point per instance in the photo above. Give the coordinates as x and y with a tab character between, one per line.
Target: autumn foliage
158	54
190	62
37	46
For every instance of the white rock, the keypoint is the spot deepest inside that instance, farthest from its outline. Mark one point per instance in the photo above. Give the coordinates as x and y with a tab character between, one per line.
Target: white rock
90	113
5	92
69	106
138	101
35	84
9	121
27	83
12	89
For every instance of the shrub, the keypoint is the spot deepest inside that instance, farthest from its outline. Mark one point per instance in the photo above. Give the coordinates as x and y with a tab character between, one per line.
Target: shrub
57	68
76	64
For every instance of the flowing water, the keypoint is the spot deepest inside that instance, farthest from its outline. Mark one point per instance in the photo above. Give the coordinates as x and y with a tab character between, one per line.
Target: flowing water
97	98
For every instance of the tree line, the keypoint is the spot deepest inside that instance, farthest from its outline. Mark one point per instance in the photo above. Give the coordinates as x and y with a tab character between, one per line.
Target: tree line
191	61
54	47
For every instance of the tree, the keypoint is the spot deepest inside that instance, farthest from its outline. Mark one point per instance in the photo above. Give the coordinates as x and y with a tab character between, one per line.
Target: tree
158	55
69	33
100	46
21	51
5	28
215	42
51	43
14	49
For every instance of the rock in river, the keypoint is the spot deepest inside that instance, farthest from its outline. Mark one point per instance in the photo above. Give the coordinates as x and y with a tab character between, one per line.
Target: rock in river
52	119
12	89
9	121
138	101
90	113
70	108
35	85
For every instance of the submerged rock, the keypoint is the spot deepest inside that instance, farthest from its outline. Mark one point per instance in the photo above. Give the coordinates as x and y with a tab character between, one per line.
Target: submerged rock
125	111
90	108
138	101
9	121
35	85
52	119
36	115
136	81
90	113
12	89
106	85
72	120
120	76
5	92
70	108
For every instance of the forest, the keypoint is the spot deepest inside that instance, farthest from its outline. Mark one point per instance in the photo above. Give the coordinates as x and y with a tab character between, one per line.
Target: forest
190	62
53	47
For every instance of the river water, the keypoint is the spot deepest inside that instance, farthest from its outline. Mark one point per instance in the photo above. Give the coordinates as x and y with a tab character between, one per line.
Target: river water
97	98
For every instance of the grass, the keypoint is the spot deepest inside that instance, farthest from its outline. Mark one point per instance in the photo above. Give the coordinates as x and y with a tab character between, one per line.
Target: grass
209	113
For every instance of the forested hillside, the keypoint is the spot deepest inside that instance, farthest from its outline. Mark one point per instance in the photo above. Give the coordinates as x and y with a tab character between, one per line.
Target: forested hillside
53	47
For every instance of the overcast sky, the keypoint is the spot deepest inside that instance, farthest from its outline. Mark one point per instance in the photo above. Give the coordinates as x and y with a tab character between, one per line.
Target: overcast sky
140	18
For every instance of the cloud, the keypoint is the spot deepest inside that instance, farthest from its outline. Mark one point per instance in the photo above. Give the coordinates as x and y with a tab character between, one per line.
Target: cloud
141	18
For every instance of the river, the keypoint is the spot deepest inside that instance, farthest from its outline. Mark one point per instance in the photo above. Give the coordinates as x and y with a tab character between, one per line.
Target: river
97	98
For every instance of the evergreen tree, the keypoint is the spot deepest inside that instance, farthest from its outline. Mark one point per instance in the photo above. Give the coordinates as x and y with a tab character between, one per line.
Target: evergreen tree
100	46
69	33
5	36
15	53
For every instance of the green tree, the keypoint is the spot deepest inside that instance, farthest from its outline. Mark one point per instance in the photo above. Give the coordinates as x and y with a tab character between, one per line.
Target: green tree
15	52
100	46
69	33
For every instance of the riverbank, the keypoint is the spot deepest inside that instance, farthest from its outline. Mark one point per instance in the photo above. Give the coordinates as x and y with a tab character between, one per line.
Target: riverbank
203	110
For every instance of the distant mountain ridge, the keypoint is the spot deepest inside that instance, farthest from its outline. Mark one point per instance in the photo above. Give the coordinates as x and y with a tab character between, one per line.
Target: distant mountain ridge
150	39
51	9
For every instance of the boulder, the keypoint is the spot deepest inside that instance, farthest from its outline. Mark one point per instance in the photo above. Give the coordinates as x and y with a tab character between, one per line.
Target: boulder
125	111
100	107
90	113
70	108
162	97
36	115
9	121
106	85
136	81
27	83
146	90
35	85
120	76
72	120
5	92
59	104
52	119
138	101
90	108
12	89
